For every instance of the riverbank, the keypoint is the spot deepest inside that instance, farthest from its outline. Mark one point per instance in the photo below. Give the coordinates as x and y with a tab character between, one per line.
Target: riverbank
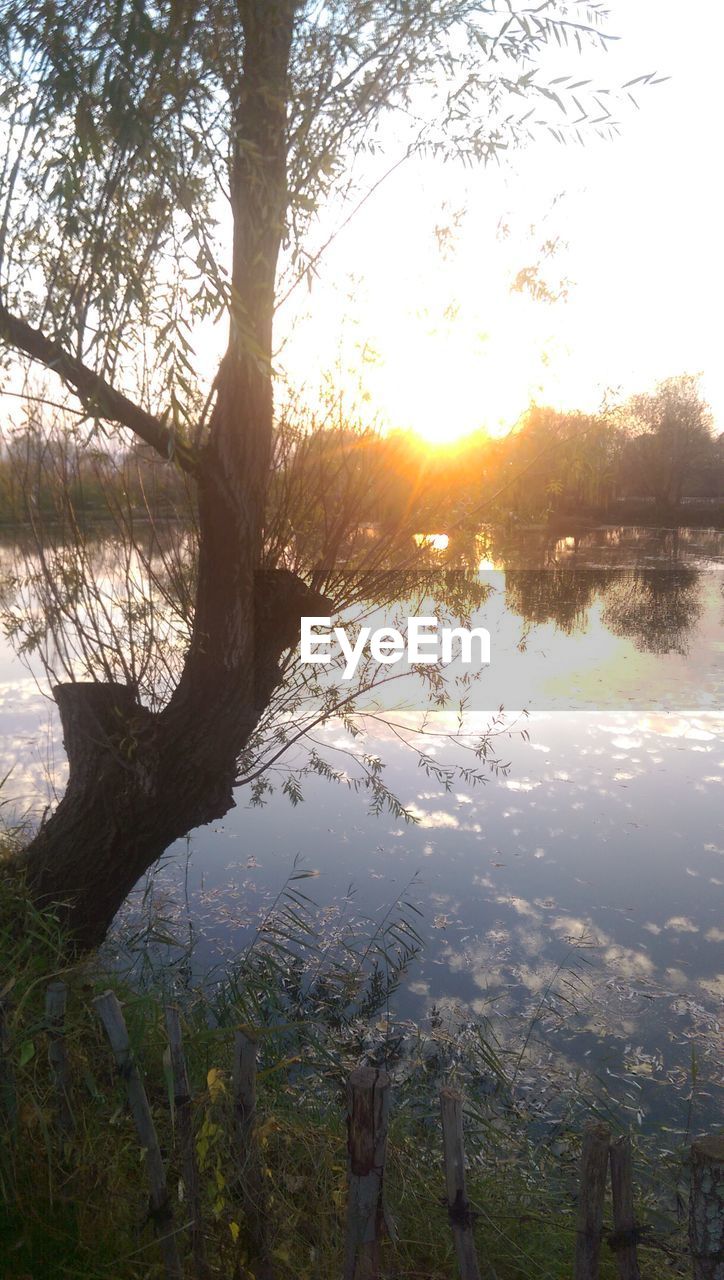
76	1197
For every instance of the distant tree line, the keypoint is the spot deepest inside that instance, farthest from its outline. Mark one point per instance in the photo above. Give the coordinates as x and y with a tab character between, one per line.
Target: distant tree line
49	473
652	455
652	452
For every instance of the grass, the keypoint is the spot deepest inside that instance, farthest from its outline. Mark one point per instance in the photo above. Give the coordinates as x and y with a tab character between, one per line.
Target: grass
77	1206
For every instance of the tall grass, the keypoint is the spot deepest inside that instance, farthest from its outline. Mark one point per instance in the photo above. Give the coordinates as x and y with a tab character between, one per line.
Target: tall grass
319	1003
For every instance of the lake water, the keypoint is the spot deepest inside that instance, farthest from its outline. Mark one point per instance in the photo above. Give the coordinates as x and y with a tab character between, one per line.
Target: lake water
583	888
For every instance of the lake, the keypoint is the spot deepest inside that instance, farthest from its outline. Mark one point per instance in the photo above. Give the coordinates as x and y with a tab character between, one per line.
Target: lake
579	892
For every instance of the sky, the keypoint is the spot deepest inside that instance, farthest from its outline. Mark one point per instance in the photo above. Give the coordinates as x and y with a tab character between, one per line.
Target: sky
416	338
438	343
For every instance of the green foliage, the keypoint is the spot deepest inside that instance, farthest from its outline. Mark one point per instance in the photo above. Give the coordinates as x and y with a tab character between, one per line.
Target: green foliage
76	1205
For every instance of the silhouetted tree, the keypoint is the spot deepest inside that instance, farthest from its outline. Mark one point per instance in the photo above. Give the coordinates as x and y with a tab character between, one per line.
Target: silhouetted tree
128	126
671	435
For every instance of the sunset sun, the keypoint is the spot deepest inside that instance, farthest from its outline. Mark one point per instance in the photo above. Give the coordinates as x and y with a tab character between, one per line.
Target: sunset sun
445	386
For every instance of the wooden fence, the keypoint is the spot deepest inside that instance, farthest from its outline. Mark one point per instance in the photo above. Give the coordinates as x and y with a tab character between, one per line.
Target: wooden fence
368	1109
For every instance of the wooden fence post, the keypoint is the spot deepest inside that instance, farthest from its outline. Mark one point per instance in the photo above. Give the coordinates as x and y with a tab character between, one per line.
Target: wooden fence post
591	1192
253	1191
625	1235
8	1095
706	1208
458	1206
244	1086
110	1013
186	1148
368	1096
56	996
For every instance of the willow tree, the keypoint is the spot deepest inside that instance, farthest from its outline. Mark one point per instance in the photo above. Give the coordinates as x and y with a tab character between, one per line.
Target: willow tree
165	163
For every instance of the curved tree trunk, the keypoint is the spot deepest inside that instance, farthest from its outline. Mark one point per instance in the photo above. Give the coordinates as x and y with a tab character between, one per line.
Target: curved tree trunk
139	780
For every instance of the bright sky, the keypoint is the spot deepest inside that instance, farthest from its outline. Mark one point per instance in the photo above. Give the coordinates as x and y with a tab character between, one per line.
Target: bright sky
449	349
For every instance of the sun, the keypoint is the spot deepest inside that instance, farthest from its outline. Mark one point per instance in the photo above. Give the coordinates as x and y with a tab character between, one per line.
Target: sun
441	369
445	372
444	413
443	391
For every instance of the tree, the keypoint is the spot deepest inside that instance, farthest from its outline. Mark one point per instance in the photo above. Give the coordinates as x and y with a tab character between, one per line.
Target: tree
130	126
671	434
563	461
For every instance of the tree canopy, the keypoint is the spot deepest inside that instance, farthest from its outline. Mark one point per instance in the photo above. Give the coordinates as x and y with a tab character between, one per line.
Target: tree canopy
671	434
121	122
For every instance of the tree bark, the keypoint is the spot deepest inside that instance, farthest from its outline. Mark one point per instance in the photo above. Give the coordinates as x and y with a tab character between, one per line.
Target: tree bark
706	1208
139	780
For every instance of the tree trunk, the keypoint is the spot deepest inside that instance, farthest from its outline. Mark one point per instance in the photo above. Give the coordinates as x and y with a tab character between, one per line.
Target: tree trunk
706	1208
137	780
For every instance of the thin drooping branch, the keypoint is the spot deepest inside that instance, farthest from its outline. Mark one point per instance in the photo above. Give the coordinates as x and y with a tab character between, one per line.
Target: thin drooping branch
97	396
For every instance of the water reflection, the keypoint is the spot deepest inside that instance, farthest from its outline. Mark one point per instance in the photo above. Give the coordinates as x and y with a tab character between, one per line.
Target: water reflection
561	596
592	872
657	608
583	890
606	547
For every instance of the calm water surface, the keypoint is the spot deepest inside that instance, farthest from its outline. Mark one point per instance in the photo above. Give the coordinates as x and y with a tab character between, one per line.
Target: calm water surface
594	870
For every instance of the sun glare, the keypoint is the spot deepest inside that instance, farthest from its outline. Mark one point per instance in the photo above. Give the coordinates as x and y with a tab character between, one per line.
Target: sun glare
435	541
443	386
444	400
439	348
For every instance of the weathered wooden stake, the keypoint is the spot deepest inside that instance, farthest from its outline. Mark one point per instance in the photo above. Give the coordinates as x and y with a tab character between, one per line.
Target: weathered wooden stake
244	1085
706	1208
623	1240
368	1098
110	1013
458	1206
592	1189
56	997
8	1095
253	1191
186	1148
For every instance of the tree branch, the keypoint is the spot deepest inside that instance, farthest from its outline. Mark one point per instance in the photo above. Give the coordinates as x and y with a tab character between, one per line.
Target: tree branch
96	395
